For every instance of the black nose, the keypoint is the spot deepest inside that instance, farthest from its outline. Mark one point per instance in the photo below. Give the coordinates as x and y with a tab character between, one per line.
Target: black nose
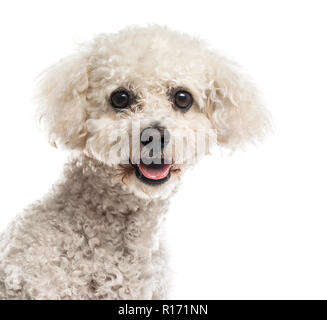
150	133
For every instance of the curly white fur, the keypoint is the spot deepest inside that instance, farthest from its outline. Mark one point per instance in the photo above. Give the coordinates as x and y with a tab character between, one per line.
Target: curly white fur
96	235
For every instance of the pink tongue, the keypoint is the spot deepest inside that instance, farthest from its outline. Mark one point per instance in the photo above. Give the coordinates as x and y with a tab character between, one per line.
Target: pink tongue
154	173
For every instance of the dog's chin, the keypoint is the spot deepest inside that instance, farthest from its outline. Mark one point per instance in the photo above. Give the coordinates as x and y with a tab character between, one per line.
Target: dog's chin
146	191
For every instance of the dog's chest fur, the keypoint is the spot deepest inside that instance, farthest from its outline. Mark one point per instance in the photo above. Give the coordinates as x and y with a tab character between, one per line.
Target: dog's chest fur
88	239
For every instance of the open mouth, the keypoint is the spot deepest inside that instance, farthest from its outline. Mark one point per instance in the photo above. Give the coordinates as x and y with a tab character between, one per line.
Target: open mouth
153	174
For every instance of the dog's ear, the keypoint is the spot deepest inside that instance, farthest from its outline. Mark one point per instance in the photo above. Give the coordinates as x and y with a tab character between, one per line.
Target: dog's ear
62	99
234	106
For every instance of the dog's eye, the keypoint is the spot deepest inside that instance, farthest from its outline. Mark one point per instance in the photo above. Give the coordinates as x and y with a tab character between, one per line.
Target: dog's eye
120	99
183	100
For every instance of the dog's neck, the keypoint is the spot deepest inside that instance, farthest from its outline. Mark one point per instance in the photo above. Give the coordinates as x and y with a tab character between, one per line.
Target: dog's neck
90	187
118	231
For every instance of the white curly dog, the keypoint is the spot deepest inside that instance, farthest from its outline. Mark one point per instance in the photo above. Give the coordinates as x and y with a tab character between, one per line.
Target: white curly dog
96	235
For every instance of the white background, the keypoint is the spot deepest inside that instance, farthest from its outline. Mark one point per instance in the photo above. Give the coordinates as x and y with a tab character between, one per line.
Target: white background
253	225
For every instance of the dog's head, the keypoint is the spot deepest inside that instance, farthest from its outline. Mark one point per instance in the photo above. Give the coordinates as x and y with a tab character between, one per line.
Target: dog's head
148	102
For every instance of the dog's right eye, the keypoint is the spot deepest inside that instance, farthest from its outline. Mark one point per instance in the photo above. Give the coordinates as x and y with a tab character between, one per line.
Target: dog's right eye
120	99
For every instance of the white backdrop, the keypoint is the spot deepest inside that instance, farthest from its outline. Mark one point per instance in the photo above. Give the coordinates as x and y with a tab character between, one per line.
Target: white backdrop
248	226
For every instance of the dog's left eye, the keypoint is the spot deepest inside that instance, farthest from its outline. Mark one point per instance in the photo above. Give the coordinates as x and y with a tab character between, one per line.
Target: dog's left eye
120	99
183	100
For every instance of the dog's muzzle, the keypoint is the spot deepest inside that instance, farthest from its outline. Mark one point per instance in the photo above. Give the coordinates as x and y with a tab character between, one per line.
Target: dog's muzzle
154	169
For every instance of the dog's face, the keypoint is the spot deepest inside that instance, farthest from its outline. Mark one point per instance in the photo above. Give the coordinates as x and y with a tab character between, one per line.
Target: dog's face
149	102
